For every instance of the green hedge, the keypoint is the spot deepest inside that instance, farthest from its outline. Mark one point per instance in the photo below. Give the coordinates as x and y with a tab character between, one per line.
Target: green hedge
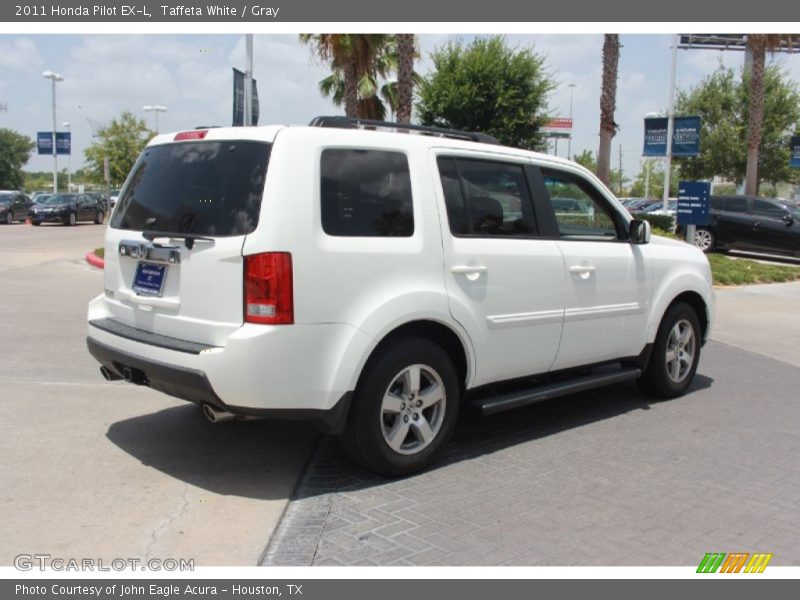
665	222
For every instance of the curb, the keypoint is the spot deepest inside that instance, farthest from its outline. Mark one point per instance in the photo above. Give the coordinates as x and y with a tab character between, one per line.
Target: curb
95	260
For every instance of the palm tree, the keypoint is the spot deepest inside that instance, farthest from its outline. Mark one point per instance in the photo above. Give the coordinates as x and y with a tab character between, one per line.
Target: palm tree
608	103
405	75
758	45
352	57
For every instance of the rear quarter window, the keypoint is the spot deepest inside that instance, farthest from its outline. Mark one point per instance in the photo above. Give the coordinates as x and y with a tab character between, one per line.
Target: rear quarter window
205	188
366	193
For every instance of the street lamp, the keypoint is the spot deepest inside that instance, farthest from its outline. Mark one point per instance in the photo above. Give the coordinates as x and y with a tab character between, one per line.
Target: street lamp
571	87
54	77
65	124
155	108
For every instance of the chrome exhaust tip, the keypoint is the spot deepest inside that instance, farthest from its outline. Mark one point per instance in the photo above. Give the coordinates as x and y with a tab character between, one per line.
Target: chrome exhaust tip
215	415
109	374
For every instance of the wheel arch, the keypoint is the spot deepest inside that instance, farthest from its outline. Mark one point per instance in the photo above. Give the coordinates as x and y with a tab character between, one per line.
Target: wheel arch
437	332
698	304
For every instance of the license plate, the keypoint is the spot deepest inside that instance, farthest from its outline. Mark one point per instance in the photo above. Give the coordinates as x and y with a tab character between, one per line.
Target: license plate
149	279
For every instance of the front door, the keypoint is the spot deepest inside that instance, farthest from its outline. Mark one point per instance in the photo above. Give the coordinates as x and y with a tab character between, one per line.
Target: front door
608	280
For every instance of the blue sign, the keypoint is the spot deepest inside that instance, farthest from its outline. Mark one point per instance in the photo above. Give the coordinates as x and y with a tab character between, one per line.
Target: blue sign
693	202
685	136
794	161
44	142
238	100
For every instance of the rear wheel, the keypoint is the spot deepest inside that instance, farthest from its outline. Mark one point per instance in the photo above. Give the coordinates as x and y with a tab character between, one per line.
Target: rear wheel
704	239
9	218
675	354
99	217
404	408
71	219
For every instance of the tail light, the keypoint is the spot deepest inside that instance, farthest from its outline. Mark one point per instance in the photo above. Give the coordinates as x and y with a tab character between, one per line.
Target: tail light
268	296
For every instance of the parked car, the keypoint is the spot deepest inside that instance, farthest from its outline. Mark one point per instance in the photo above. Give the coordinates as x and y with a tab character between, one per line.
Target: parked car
750	223
101	198
112	198
372	283
14	206
67	209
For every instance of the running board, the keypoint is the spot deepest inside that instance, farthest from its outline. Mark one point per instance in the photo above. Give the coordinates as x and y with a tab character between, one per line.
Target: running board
496	404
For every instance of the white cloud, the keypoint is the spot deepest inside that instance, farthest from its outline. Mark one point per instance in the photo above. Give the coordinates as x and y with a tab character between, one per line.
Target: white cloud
20	54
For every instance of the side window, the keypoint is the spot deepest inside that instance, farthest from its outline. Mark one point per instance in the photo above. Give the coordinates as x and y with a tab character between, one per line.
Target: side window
738	205
366	193
767	209
716	202
486	198
579	213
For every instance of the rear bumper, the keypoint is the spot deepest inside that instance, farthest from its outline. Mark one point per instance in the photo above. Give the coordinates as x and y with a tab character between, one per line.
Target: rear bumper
193	385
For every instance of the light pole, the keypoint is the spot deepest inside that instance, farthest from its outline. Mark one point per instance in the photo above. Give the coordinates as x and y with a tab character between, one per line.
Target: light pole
65	124
54	77
155	108
571	87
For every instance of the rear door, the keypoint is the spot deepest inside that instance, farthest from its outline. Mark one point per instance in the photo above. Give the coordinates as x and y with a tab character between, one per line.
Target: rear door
505	283
174	245
735	222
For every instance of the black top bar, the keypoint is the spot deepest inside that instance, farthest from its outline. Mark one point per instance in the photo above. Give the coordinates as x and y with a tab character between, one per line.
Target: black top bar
350	123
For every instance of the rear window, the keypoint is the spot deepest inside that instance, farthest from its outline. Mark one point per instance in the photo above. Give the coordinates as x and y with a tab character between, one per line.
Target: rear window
205	188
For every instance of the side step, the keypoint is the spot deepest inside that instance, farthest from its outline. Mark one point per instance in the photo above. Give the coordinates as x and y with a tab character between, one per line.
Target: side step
496	404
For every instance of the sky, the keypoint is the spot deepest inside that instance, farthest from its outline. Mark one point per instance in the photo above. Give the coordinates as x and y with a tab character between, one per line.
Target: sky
105	75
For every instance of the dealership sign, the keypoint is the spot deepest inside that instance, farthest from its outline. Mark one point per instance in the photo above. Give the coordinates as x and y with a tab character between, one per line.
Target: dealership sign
693	200
44	142
685	136
794	161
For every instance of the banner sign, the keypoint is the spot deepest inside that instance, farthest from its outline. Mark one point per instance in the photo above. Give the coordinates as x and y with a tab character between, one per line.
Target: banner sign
685	137
44	142
238	99
794	161
693	201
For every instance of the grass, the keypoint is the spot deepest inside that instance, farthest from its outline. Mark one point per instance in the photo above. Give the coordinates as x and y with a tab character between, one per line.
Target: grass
740	271
100	252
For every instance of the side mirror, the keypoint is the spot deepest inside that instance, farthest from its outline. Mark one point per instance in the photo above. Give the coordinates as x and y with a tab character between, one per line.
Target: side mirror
639	231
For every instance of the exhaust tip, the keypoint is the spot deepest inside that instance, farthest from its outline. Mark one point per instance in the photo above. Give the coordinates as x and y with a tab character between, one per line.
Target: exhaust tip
215	415
109	374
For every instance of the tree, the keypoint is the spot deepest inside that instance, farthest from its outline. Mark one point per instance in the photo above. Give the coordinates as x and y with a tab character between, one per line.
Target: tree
758	45
405	76
649	181
15	150
488	87
121	142
587	159
608	104
722	102
354	60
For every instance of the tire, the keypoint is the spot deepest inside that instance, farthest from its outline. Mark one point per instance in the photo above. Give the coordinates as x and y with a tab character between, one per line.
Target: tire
99	217
71	219
675	355
36	223
375	435
9	218
705	239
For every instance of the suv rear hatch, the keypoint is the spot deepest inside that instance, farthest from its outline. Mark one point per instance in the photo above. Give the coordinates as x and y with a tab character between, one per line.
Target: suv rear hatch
173	249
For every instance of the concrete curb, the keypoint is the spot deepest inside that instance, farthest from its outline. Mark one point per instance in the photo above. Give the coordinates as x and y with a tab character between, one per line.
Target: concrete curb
95	260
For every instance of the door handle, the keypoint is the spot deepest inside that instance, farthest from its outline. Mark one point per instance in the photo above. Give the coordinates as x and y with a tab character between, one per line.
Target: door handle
471	271
582	271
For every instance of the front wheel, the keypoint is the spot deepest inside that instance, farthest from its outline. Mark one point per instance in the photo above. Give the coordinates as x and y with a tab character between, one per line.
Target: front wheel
404	408
676	352
71	219
9	218
704	239
99	217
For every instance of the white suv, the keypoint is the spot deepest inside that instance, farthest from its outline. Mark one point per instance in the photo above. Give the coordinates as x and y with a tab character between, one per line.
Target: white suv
372	281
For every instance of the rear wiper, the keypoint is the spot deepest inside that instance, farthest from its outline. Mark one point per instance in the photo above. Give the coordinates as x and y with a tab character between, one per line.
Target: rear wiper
188	238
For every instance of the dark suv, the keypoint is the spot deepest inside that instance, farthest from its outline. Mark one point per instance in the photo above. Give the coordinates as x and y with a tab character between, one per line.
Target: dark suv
752	224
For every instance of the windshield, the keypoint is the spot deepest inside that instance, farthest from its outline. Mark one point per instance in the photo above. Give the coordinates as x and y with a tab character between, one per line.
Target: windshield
60	199
204	188
793	210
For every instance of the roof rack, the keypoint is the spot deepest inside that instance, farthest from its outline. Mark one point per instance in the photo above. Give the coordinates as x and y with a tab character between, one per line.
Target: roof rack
351	123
